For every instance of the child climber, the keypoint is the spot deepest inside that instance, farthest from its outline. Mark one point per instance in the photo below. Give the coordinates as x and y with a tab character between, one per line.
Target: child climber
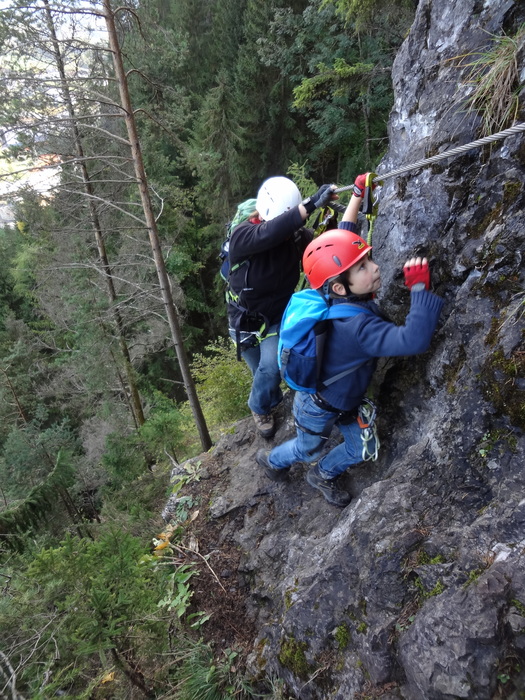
339	266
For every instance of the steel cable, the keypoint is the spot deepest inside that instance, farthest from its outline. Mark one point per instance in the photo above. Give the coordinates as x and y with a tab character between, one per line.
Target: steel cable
516	129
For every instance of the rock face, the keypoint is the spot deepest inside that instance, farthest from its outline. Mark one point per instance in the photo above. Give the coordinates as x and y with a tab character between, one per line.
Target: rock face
416	590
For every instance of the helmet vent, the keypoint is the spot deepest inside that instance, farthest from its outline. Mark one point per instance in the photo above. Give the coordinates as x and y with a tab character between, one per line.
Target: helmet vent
337	261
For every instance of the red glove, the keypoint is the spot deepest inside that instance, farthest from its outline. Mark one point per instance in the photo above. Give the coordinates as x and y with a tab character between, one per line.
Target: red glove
416	271
360	185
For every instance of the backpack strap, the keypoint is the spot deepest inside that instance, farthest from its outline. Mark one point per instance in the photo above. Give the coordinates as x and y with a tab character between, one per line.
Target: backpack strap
339	376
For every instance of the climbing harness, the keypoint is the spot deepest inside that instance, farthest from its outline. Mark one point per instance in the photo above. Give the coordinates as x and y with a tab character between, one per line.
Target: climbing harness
366	419
516	129
244	340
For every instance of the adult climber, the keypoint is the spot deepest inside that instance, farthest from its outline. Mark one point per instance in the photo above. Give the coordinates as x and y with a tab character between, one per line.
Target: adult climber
265	254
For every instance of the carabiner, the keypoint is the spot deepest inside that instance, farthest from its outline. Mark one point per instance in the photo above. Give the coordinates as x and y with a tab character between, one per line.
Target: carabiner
368	201
366	414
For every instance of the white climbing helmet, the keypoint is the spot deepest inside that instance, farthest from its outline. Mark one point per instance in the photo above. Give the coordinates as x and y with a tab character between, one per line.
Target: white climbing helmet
276	195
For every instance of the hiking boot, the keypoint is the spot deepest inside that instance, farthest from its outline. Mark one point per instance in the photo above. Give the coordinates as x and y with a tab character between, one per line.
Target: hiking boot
328	487
265	424
271	472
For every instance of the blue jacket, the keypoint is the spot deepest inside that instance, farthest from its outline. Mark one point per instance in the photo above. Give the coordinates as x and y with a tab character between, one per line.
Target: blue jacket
368	337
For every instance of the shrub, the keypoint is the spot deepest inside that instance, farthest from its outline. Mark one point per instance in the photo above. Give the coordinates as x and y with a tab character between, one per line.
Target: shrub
163	430
223	383
80	609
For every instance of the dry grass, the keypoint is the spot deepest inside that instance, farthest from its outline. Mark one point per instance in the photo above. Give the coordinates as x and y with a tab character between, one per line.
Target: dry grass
494	77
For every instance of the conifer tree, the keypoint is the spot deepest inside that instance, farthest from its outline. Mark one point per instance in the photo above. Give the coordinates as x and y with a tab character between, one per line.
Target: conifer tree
262	95
124	178
218	142
136	402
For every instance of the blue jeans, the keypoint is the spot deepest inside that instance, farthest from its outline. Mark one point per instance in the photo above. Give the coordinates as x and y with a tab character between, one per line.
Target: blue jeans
266	385
306	447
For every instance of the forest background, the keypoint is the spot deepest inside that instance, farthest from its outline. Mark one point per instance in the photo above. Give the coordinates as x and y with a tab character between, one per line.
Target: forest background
94	410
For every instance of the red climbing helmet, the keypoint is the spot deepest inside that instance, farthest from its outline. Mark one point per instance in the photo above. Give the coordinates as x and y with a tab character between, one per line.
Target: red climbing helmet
332	253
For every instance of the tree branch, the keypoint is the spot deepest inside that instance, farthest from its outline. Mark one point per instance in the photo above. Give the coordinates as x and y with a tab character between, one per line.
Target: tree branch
62	163
11	679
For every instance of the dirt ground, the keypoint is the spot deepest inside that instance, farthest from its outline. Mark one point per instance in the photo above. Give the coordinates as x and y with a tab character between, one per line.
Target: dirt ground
218	590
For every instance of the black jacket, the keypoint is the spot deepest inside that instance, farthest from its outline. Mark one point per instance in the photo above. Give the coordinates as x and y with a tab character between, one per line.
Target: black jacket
270	253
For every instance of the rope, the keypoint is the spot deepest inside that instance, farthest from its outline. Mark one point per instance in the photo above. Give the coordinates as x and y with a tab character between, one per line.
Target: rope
516	129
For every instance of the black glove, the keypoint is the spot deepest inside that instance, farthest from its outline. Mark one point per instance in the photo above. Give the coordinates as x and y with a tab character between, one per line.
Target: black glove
319	199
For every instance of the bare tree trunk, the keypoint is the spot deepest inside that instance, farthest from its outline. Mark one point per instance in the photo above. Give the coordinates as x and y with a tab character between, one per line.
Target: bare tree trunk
15	395
171	313
136	403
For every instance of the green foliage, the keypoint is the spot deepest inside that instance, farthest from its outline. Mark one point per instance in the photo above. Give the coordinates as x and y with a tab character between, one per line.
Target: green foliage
364	13
124	459
424	558
83	600
473	576
200	675
341	86
21	373
135	506
436	590
179	594
263	95
520	607
184	504
92	618
342	636
39	503
292	656
100	584
10	241
327	79
223	383
218	140
31	452
23	270
297	172
163	429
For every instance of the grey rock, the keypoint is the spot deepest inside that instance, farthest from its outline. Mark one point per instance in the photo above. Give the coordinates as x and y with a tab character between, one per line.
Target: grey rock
423	574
